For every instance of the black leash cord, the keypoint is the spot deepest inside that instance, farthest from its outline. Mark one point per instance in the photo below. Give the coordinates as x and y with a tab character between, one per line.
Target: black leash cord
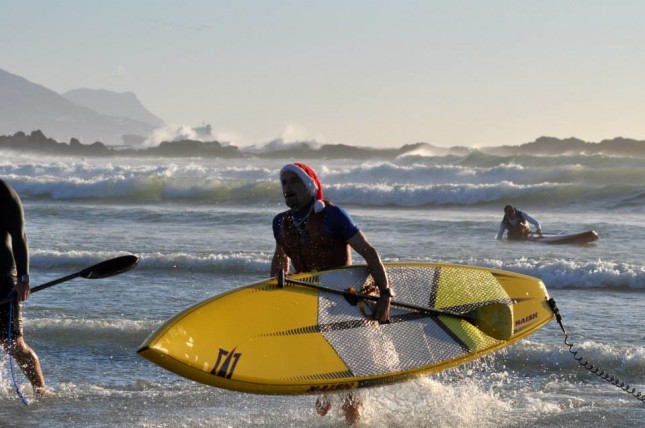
587	365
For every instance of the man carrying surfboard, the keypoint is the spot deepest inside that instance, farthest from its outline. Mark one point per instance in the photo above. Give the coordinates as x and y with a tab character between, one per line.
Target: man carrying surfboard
517	224
315	235
14	283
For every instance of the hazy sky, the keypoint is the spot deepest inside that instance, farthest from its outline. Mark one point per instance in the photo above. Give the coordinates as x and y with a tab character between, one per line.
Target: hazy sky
370	73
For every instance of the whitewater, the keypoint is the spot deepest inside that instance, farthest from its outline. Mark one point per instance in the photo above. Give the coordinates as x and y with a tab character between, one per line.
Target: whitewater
203	226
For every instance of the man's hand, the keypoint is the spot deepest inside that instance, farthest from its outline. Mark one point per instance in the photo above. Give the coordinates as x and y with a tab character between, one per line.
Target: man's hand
22	291
382	313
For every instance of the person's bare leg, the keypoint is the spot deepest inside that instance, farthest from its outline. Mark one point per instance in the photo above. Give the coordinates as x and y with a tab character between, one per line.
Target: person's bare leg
352	407
323	404
30	365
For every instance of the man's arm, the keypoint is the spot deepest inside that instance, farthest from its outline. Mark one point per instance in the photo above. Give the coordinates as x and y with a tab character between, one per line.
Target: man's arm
280	261
19	245
533	221
502	229
359	243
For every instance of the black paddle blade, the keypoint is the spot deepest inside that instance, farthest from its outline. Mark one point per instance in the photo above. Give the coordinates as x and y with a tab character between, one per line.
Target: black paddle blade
110	267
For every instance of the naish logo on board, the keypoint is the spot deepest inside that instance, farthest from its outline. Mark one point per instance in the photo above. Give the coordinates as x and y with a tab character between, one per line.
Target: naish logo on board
226	362
336	387
526	319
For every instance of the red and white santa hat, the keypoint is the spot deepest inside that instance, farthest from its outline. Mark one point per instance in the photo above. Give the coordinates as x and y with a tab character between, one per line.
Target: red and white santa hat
311	181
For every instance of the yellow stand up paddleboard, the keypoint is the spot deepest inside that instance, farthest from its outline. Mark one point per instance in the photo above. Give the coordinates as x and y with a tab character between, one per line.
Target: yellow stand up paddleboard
307	334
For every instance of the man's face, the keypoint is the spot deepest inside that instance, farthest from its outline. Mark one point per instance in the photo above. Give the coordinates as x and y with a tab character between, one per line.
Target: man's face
510	213
294	191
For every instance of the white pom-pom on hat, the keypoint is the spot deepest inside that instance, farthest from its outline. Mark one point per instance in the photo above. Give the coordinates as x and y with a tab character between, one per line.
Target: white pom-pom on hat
310	180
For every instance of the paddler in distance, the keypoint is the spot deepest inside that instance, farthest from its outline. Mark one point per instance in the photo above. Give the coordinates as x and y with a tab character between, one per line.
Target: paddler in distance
517	224
315	235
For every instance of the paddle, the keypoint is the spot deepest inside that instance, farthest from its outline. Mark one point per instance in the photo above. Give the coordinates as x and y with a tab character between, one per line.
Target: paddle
493	319
104	269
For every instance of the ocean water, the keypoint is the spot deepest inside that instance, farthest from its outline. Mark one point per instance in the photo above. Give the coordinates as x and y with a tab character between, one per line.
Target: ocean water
203	226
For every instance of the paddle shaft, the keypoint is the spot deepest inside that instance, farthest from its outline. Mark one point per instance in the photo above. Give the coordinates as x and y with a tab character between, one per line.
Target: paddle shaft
55	282
344	293
43	286
101	270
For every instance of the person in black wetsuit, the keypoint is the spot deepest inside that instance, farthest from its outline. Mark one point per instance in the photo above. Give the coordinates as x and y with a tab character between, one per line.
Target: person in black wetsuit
14	284
517	224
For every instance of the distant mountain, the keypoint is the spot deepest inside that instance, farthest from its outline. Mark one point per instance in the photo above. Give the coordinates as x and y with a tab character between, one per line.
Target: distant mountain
27	106
113	104
551	146
37	142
